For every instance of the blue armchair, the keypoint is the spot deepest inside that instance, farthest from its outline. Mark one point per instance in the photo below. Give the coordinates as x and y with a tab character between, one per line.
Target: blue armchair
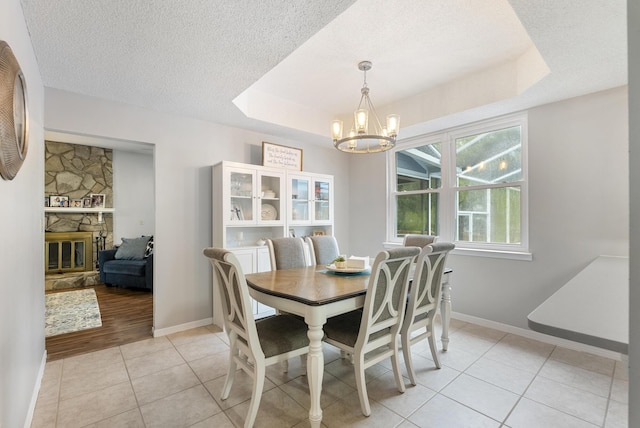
127	268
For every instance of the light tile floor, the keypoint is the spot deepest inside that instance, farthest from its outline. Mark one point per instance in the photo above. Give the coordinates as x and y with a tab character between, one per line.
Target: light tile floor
488	379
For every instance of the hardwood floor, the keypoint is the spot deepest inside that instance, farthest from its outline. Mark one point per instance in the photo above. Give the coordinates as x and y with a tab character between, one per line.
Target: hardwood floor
127	316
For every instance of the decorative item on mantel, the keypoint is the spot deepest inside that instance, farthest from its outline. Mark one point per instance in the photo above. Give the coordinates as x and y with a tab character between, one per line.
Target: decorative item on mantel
360	139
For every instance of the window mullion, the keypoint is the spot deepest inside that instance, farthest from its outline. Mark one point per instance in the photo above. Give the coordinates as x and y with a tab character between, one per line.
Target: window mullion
447	194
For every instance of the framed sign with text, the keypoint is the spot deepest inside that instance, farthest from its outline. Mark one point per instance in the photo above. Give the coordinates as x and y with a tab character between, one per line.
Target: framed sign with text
275	155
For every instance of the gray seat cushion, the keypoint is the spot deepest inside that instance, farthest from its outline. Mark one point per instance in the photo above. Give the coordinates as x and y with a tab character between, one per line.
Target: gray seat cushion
345	328
125	267
282	333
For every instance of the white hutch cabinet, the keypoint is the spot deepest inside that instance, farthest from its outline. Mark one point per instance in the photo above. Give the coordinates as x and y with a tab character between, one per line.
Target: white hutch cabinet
252	202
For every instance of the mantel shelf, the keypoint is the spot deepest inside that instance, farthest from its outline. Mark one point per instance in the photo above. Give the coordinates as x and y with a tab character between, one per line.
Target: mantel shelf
69	210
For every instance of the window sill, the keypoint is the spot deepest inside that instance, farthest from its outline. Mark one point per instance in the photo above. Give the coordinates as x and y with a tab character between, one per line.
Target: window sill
477	252
496	254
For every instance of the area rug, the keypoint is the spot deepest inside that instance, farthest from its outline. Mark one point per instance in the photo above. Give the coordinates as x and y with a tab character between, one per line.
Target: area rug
70	311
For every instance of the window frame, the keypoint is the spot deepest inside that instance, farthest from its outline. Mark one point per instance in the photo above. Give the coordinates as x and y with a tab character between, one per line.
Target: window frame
448	190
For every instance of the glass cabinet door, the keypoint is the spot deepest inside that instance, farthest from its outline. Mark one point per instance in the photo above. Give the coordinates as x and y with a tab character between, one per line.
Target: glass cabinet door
241	195
272	205
322	200
300	199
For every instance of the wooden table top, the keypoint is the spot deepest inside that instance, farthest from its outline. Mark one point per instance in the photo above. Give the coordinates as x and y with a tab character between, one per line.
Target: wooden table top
312	285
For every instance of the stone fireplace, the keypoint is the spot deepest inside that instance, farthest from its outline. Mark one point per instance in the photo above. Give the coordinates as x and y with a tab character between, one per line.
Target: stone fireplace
73	236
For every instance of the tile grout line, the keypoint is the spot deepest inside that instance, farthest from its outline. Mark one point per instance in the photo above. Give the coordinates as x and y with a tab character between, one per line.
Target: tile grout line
438	392
124	361
606	409
528	386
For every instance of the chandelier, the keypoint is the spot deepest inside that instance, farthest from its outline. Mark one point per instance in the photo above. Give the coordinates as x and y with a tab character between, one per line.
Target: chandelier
367	134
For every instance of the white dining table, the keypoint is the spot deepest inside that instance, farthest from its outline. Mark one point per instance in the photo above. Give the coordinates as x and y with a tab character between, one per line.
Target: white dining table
316	294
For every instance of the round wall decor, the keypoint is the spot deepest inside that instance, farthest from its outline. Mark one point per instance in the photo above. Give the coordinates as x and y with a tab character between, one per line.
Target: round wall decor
14	129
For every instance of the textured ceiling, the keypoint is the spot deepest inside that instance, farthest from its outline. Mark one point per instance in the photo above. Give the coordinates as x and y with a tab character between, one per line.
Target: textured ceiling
434	60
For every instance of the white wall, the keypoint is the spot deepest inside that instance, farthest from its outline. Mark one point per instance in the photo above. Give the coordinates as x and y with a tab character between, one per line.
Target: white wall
578	196
185	149
133	195
21	247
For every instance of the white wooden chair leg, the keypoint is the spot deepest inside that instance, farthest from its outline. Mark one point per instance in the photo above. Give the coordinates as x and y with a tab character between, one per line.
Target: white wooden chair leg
408	360
362	386
228	383
434	349
285	366
258	385
396	369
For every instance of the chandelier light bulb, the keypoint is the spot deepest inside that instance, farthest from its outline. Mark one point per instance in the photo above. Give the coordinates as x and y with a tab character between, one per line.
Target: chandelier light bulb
362	121
336	129
393	124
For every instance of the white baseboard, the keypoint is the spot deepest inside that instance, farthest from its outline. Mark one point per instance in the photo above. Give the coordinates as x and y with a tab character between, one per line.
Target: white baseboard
36	391
181	327
530	334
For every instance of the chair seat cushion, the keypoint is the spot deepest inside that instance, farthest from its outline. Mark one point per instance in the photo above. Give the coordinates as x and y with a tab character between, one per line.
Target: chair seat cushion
345	328
125	267
282	333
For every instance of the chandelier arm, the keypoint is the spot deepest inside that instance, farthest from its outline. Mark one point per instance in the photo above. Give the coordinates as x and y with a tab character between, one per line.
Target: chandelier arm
379	127
363	97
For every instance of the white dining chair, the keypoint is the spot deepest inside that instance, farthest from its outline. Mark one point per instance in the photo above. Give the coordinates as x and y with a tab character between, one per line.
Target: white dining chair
322	249
417	240
254	345
423	302
288	253
377	325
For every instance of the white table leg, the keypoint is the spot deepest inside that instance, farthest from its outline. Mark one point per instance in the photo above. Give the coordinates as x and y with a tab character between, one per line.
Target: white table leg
445	310
315	370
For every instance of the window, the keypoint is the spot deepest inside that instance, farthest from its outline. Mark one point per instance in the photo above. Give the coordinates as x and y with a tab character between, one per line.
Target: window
466	185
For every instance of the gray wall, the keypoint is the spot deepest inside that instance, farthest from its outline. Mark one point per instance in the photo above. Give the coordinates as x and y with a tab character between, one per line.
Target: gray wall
133	195
634	184
21	247
578	197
